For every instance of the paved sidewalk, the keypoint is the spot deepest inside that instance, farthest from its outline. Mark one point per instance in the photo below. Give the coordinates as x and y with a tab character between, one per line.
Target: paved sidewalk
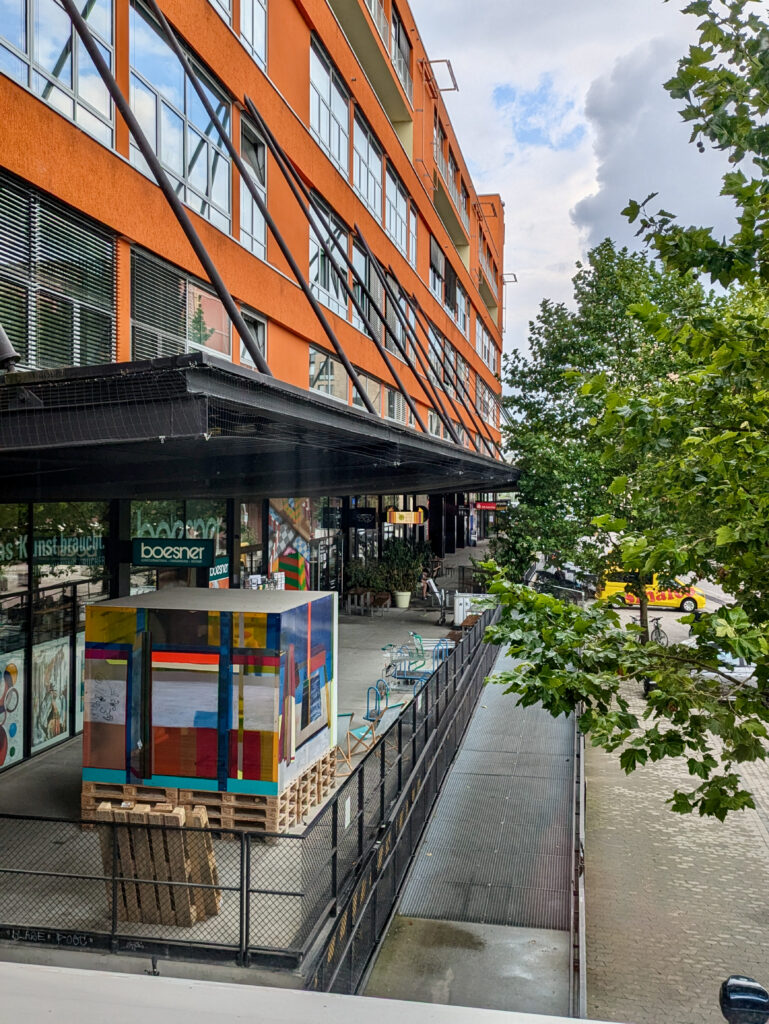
674	903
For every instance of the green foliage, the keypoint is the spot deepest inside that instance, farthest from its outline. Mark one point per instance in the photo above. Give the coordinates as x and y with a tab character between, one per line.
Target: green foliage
687	450
401	565
575	659
565	471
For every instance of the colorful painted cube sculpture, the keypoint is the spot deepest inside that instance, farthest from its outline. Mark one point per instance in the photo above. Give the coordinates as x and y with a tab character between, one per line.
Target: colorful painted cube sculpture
226	690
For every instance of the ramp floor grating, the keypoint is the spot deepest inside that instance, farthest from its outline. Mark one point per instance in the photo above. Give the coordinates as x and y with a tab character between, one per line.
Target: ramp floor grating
498	847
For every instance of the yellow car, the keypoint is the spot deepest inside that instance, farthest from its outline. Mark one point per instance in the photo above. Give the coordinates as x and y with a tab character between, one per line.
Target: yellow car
688	599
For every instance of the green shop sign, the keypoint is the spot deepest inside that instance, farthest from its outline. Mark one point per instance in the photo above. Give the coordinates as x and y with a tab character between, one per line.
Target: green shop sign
183	553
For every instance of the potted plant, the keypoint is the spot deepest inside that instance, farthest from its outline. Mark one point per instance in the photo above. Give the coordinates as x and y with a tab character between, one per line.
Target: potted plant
401	567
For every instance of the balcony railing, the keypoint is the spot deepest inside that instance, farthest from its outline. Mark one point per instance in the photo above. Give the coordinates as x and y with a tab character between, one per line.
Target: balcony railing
451	184
401	65
380	18
491	277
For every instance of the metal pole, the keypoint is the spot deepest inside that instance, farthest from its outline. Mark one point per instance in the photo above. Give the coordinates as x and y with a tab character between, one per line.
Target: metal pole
297	187
162	179
246	177
407	327
466	404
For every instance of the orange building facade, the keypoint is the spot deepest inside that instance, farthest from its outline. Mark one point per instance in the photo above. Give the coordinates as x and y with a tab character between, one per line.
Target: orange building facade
350	94
141	406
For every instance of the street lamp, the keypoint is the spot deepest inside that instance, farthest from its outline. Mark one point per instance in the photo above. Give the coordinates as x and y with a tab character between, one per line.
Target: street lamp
8	354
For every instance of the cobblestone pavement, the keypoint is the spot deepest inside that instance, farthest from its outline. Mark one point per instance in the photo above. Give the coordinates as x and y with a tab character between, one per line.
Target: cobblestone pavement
674	903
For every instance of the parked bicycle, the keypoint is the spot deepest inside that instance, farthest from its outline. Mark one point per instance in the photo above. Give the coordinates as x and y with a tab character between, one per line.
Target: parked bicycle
658	634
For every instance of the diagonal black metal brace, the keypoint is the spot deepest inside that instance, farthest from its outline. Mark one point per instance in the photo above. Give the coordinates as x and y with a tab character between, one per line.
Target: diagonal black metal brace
311	208
262	206
82	29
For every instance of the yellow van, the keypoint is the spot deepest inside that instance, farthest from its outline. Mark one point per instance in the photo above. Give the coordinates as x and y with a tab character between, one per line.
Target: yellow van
688	599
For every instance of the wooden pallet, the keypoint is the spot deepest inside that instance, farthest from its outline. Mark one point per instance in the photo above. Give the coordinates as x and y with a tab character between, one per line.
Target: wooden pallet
149	856
243	811
93	793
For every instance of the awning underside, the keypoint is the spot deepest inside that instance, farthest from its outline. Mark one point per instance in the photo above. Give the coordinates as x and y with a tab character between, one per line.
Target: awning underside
192	426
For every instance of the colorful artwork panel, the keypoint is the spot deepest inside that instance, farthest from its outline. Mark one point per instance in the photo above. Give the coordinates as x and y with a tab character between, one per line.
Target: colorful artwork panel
110	625
254	755
11	707
187	752
104	707
50	693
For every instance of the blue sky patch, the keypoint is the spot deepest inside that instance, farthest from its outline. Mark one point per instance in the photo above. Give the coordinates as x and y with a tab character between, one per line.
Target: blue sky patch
540	117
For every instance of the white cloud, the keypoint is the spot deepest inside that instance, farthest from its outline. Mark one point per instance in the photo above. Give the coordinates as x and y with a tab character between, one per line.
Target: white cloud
603	62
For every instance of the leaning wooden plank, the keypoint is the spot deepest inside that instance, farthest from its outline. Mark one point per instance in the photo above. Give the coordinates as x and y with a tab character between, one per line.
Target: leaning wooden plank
156	831
146	893
177	860
103	813
201	869
126	867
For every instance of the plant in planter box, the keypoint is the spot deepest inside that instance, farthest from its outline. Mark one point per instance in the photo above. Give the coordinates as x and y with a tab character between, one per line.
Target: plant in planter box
401	566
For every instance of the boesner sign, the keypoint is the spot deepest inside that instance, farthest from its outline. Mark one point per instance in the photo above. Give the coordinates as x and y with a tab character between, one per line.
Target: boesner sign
184	553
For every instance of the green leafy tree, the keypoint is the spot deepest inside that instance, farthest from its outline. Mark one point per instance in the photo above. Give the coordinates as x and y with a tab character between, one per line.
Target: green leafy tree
699	439
565	473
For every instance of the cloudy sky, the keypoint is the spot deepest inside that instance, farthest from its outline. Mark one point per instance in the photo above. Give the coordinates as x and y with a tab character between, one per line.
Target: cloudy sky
561	109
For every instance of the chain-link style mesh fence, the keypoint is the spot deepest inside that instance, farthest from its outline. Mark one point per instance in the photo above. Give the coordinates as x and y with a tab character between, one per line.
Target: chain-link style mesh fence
135	886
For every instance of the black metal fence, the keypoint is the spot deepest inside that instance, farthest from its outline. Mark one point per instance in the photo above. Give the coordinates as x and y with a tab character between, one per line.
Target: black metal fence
361	923
85	885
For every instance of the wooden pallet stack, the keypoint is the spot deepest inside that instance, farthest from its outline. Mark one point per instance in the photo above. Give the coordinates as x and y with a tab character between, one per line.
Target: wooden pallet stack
157	845
240	811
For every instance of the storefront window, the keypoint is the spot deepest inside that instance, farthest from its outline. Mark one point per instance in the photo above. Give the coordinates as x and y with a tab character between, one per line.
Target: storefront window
13	631
67	549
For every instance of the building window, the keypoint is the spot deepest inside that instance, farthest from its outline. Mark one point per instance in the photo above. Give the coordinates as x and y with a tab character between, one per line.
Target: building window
463	310
400	51
325	282
329	109
437	269
171	313
57	282
373	389
396	406
328	375
253	29
365	275
435	355
400	215
223	8
176	123
412	235
395	321
40	50
485	403
449	367
252	226
434	425
367	167
258	329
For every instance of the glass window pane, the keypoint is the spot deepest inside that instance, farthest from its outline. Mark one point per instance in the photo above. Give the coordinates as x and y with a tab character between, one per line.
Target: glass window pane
98	14
53	40
90	86
197	161
53	95
171	139
154	59
144	106
54	332
220	179
209	326
13	23
13	66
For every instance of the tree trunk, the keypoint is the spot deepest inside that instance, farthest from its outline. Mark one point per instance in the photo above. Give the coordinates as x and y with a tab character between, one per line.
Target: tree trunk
643	607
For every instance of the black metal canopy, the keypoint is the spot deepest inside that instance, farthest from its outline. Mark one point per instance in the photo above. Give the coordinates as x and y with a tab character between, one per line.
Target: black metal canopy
195	426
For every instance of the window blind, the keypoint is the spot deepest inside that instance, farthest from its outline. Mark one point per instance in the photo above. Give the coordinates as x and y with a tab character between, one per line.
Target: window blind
57	281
